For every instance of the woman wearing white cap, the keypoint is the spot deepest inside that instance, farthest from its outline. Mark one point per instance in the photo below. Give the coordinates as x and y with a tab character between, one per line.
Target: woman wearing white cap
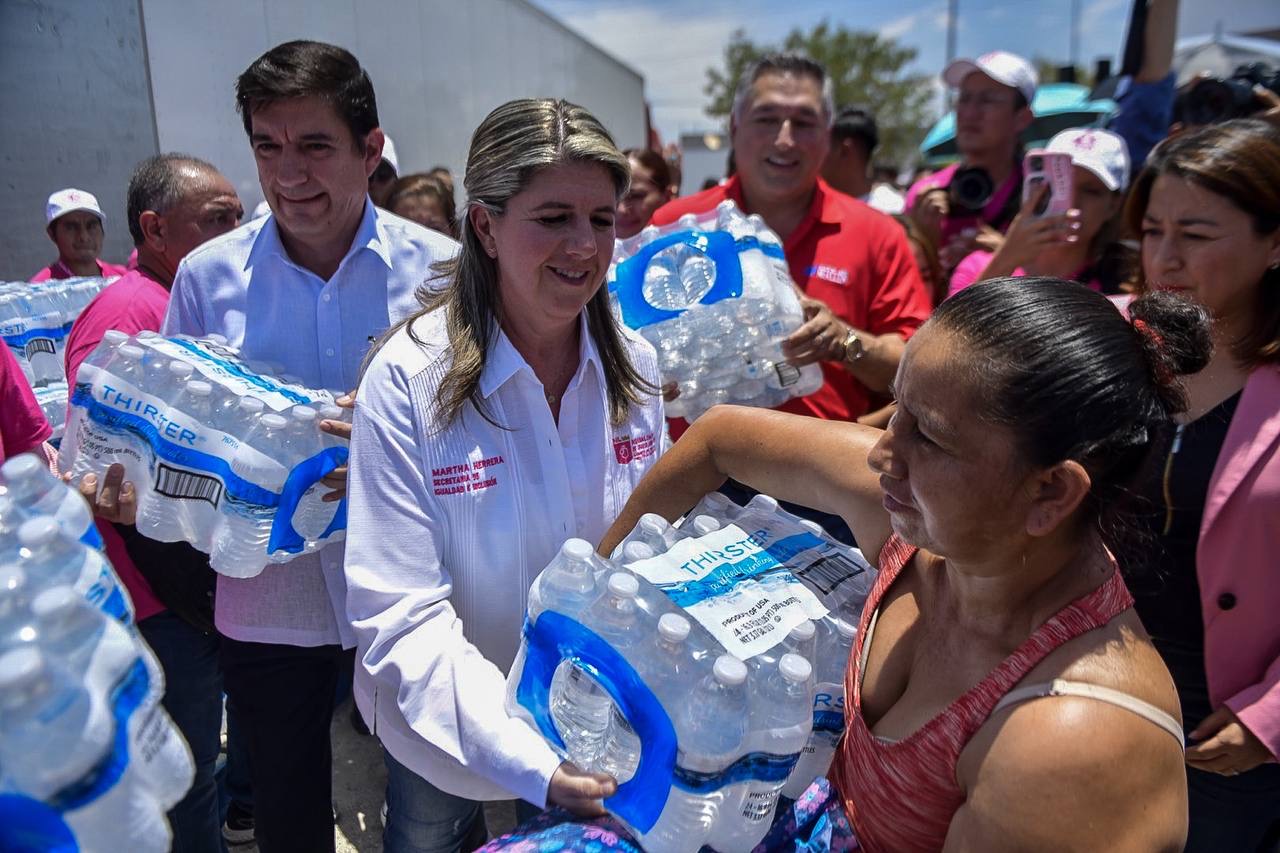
1078	245
74	222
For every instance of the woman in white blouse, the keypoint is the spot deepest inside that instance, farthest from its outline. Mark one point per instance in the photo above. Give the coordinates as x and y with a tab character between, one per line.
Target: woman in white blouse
511	413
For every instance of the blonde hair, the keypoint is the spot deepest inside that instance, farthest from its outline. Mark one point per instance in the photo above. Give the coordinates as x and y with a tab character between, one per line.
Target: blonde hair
511	145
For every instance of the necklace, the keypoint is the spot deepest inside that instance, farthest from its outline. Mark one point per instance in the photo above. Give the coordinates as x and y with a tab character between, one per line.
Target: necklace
553	399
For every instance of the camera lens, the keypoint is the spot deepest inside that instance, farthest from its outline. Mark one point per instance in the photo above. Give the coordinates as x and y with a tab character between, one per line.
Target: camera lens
1037	164
971	189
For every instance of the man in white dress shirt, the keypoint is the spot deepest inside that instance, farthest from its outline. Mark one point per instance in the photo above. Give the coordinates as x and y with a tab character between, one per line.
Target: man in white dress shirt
309	288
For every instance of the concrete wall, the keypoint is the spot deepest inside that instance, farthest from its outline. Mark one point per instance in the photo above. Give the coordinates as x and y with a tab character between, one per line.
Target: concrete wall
76	111
438	67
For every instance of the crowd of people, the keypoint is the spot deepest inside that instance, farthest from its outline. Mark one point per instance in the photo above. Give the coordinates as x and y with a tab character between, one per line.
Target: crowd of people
1058	436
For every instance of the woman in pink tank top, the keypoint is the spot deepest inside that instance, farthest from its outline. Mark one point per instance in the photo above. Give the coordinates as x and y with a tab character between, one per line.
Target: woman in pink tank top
1002	694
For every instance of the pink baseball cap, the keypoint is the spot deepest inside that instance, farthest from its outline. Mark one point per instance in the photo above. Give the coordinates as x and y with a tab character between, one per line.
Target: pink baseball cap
1100	151
1000	65
69	200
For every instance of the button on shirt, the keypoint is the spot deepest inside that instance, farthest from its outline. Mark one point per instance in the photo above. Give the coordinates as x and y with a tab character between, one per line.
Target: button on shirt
448	528
244	286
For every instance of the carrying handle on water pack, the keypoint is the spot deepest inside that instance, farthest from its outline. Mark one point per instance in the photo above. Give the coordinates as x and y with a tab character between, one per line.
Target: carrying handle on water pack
555	638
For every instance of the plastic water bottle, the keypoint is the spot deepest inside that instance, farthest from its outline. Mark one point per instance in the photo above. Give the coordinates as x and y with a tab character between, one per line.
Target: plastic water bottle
653	530
711	727
582	708
568	584
70	629
33	487
835	642
15	615
53	558
240	548
128	363
666	667
633	552
105	351
168	517
237	415
802	640
41	704
313	515
780	723
704	524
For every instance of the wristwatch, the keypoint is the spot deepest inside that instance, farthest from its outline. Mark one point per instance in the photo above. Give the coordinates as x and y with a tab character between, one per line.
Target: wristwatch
853	349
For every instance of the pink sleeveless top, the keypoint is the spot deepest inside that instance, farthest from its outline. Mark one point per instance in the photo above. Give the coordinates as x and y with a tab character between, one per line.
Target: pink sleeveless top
900	797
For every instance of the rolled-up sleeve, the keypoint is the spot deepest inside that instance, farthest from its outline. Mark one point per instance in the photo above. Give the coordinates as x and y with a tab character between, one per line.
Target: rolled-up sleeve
440	698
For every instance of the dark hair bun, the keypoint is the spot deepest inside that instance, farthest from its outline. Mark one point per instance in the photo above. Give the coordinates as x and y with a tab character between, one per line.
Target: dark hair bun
1175	339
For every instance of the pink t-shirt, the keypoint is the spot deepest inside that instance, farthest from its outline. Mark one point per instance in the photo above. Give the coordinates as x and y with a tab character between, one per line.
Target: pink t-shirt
132	304
23	425
58	269
973	265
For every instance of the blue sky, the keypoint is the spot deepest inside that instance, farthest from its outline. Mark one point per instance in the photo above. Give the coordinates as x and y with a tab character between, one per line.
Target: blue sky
672	42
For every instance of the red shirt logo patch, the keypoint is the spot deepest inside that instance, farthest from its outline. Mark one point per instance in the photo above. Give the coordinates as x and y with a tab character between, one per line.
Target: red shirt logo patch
627	450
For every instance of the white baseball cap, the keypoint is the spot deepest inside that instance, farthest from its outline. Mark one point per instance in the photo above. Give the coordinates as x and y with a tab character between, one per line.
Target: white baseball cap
1100	151
1003	67
69	200
389	153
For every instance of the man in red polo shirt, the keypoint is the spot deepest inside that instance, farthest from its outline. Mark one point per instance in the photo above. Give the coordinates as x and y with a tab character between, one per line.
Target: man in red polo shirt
863	296
74	222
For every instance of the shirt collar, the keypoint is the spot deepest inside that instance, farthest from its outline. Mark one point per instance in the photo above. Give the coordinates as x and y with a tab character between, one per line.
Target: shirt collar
504	360
821	209
371	234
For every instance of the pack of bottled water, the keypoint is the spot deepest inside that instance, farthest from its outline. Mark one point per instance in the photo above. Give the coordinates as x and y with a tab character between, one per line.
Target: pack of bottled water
695	666
224	453
35	320
89	760
713	294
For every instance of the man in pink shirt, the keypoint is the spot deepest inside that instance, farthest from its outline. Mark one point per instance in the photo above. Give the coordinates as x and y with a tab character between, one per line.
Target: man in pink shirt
74	222
175	203
23	425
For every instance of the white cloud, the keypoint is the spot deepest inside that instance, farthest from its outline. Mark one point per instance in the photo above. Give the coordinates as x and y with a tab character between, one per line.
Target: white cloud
899	27
672	55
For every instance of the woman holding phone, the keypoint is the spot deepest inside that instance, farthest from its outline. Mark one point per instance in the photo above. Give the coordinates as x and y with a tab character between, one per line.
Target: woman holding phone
1078	245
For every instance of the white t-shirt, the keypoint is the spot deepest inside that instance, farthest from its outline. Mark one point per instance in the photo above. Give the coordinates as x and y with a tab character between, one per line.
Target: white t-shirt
448	528
885	199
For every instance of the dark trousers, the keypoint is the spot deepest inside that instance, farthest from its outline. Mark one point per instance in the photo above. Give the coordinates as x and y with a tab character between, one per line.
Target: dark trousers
193	698
283	697
1236	813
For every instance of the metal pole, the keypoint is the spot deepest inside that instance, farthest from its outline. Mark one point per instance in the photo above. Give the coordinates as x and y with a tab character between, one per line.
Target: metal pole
953	19
1075	34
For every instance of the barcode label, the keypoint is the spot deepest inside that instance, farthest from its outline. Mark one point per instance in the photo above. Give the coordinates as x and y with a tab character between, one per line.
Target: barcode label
788	374
825	574
187	485
39	345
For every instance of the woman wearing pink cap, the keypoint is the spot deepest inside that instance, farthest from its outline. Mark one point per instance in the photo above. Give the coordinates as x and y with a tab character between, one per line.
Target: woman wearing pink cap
1079	245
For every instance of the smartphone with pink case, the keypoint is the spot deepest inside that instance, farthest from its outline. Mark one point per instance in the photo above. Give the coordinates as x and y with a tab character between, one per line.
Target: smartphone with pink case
1041	167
